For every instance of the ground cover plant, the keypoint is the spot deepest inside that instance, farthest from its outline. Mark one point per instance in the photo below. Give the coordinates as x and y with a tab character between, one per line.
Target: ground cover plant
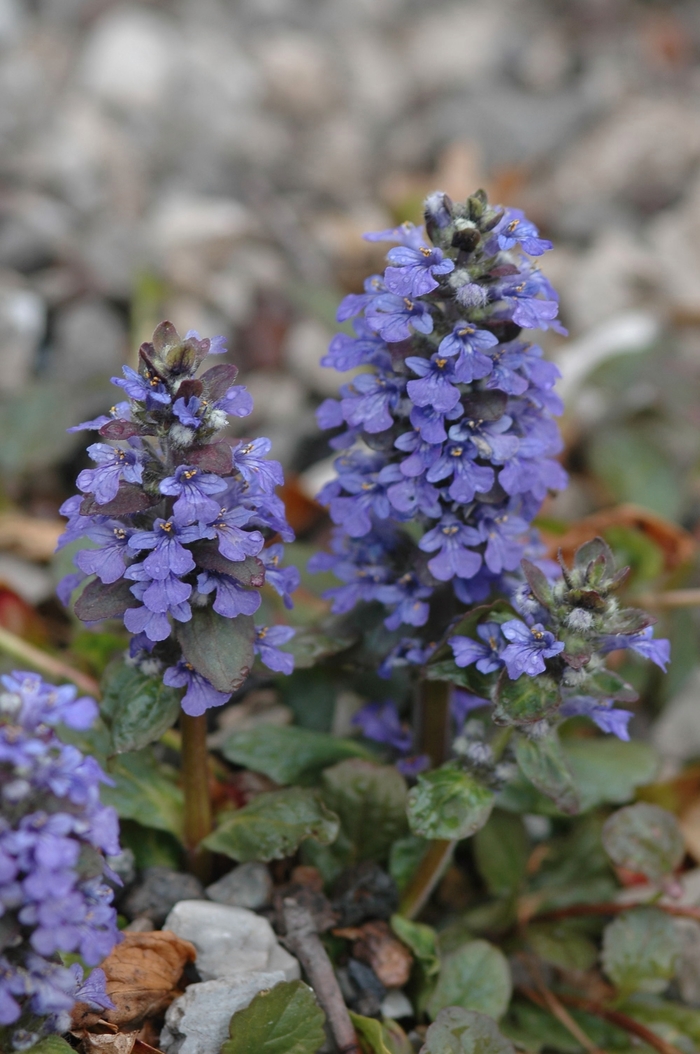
475	856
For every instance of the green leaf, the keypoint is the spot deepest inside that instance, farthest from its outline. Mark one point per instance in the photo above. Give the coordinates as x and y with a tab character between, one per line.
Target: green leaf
609	685
448	803
370	801
463	676
475	977
145	791
562	944
51	1045
98	601
219	648
286	754
309	646
459	1031
634	468
421	939
676	1023
501	851
525	701
380	1037
285	1019
139	708
404	857
644	838
640	950
609	770
544	763
273	825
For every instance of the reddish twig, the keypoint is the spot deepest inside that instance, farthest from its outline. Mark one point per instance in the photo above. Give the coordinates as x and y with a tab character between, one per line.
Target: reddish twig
578	910
20	649
616	1017
303	940
546	999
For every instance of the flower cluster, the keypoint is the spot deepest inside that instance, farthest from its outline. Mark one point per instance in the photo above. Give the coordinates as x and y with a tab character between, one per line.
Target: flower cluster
448	422
381	723
568	625
177	516
54	834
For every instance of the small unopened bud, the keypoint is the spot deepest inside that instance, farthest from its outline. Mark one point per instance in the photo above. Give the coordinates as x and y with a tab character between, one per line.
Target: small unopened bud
437	210
466	239
538	730
579	619
181	435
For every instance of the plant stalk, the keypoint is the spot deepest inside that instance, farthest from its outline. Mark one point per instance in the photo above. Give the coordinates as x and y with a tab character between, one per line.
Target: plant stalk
434	720
427	875
195	782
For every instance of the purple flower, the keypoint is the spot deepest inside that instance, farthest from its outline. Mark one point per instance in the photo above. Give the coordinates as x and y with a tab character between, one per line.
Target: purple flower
237	402
430	422
527	309
410	651
396	317
469	343
250	460
528	648
169	555
186	411
506	362
120	412
452	538
44	704
436	387
231	597
192	489
406	233
216	345
381	722
486	652
515	229
408	596
422	454
414	270
200	694
500	530
537	475
154	625
492	440
355	303
108	560
146	388
234	542
267	644
347	353
369	498
162	595
411	495
284	580
458	460
413	765
114	465
608	718
659	651
462	703
371	403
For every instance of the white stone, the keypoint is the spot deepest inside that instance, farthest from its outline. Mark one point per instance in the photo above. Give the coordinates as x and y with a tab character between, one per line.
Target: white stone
299	73
305	344
396	1005
229	941
183	220
198	1022
456	44
247	886
676	734
22	324
90	337
129	57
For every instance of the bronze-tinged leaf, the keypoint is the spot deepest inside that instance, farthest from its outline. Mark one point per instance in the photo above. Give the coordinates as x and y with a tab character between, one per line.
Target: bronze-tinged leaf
215	457
120	430
219	648
217	380
142	978
130	498
99	601
249	572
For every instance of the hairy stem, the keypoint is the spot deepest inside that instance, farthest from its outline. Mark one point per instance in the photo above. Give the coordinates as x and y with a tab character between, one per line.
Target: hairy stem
578	910
195	782
20	649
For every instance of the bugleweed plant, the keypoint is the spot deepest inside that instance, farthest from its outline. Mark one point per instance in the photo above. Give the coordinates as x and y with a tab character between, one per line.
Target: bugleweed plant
492	753
54	834
178	520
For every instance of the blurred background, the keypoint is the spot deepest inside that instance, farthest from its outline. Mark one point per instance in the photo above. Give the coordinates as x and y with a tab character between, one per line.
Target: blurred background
215	162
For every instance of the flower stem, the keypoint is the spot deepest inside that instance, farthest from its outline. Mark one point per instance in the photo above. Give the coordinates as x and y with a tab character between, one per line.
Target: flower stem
195	781
20	649
426	877
434	720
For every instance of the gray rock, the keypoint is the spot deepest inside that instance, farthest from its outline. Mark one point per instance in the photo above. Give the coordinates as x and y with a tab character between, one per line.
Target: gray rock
396	1005
229	941
128	58
22	323
90	339
198	1022
247	886
160	889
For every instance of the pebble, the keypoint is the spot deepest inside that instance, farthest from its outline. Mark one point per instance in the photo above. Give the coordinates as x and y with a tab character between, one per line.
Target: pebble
22	324
247	886
90	338
396	1005
198	1021
229	940
158	891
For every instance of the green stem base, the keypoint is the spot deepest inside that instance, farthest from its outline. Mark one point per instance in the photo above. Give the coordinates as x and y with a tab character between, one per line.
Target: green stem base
428	873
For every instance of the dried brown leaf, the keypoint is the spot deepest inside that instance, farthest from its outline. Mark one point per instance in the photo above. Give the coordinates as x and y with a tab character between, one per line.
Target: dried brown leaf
142	977
376	945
